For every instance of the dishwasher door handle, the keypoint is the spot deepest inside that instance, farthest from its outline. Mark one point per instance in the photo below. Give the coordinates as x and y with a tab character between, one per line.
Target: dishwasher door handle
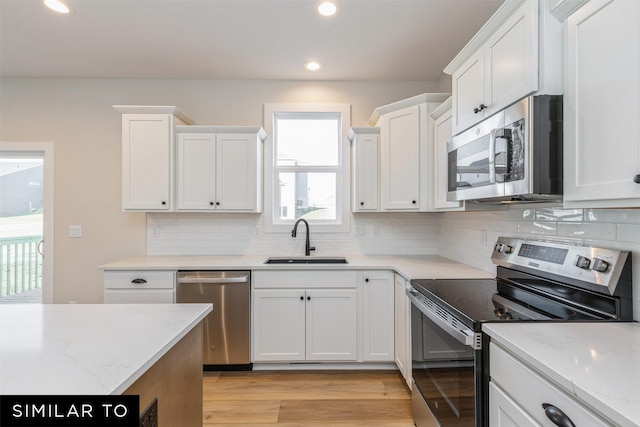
193	279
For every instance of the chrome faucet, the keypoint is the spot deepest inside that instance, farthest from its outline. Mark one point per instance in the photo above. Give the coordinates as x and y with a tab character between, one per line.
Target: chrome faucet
307	247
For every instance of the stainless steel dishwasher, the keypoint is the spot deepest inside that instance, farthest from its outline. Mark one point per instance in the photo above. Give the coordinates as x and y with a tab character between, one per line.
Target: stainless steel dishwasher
227	331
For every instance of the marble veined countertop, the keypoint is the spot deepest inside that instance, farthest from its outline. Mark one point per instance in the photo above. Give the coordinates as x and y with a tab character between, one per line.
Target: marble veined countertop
411	267
87	349
596	363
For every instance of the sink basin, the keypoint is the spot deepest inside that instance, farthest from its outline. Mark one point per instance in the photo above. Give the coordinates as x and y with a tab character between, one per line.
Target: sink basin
306	260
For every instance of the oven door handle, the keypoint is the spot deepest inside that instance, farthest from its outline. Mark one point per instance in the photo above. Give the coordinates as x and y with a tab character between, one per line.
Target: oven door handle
466	336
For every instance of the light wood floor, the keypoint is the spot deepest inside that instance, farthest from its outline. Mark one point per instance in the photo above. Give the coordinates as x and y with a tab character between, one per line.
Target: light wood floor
306	399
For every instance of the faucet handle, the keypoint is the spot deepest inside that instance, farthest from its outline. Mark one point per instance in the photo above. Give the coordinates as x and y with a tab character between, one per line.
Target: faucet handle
312	248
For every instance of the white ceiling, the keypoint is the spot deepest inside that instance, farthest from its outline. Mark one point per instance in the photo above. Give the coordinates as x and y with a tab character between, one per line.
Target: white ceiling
237	39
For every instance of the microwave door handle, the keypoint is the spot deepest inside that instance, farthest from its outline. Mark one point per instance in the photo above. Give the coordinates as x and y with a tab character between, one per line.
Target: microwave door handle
492	156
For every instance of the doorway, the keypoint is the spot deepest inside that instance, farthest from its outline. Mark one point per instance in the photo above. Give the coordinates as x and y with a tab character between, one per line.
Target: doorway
26	223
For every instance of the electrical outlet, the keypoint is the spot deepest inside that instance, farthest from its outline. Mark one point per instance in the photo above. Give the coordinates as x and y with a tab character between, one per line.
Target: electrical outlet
376	231
155	233
75	231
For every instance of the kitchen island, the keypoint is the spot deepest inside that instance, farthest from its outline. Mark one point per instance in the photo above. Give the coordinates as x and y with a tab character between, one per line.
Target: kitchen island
152	350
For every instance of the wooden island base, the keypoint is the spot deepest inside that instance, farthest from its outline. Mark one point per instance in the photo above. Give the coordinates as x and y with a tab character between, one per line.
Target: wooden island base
176	381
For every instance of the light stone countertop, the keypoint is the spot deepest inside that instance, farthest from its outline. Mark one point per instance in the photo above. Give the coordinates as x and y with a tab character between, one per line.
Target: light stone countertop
87	349
596	363
410	267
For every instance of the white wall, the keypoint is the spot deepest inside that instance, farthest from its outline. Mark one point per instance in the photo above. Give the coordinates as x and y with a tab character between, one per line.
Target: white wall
77	115
468	237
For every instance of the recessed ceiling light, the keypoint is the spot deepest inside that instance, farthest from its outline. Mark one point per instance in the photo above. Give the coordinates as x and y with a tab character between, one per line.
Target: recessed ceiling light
327	8
313	66
57	6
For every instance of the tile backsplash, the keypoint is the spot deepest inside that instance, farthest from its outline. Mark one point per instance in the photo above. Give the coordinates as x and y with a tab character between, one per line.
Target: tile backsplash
243	234
466	237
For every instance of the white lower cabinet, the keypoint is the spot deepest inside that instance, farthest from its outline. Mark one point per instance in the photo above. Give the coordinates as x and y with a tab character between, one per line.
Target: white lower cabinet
296	325
520	396
505	412
402	329
377	316
139	287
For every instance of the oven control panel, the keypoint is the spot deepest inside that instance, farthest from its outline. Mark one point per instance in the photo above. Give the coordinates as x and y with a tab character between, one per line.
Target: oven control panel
598	266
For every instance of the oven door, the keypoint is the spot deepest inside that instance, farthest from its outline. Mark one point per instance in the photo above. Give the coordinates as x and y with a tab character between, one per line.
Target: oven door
445	365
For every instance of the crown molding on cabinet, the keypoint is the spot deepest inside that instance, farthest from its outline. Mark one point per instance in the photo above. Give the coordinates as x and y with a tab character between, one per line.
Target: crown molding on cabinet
155	109
564	8
409	102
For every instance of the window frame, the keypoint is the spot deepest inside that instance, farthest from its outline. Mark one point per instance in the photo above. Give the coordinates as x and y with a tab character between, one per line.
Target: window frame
272	222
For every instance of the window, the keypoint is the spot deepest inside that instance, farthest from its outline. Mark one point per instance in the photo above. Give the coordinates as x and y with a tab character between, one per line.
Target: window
306	171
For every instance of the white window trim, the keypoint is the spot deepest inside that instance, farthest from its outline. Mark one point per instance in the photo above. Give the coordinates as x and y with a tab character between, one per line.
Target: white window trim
343	213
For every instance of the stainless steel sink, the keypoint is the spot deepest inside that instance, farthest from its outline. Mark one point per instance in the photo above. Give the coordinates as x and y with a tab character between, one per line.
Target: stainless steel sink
306	260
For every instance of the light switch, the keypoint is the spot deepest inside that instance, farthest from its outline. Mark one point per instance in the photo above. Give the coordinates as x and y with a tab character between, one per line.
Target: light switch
75	231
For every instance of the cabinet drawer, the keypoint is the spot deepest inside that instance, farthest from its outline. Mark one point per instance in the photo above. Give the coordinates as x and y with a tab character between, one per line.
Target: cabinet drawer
127	296
304	279
530	391
139	279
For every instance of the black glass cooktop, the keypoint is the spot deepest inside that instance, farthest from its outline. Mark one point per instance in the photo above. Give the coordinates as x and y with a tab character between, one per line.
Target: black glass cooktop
474	301
470	300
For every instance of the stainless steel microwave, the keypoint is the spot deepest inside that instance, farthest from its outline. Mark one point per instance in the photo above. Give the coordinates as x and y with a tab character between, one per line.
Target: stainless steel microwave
513	156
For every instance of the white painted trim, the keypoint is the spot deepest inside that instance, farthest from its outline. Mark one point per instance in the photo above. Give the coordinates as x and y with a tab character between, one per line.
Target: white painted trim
46	149
343	223
324	366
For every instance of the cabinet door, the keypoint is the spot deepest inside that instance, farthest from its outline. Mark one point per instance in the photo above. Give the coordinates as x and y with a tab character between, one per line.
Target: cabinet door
511	59
504	412
378	318
236	170
601	108
365	173
196	171
147	144
331	322
278	325
400	159
468	93
442	136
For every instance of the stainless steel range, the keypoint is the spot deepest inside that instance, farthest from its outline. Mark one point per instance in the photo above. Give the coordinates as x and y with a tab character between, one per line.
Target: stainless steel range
536	281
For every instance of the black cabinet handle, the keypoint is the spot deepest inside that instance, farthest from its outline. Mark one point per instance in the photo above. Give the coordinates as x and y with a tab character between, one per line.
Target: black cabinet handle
366	280
301	298
139	281
217	203
414	202
164	203
479	108
361	203
556	416
210	203
636	179
308	298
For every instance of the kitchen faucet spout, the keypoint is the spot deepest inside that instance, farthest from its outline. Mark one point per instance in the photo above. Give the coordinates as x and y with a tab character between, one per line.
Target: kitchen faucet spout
307	247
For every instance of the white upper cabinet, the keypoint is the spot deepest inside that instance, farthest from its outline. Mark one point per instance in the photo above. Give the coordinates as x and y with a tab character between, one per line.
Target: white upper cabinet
147	156
517	53
219	168
441	137
406	152
601	107
365	158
